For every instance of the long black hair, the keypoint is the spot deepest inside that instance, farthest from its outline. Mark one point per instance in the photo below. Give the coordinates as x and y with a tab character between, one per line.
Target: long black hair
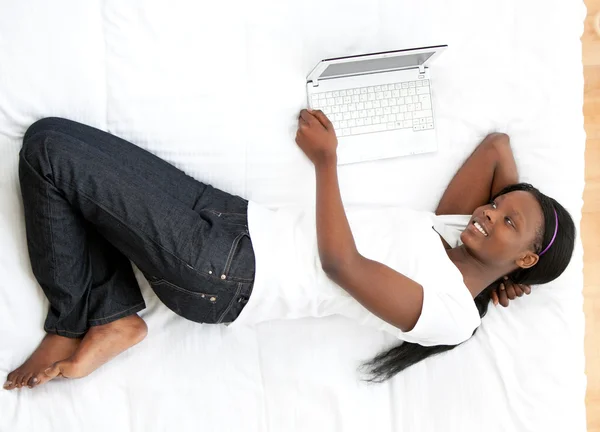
550	266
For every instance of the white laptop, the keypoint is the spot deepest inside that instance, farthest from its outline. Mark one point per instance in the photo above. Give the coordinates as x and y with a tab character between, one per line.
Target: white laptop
380	104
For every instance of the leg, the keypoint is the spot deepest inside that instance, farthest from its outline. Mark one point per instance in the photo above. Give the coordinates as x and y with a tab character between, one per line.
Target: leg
54	347
162	223
87	281
184	235
154	171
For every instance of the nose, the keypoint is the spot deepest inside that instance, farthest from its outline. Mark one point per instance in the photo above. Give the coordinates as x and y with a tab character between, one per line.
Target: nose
490	215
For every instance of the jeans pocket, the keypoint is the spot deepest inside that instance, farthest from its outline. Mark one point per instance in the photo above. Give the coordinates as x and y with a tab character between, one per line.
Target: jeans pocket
195	305
238	265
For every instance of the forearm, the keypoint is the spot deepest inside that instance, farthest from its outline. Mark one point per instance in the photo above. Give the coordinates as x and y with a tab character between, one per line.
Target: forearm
334	237
490	168
505	168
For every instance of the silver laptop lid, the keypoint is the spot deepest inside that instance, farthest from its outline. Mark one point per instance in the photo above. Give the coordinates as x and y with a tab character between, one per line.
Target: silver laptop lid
372	63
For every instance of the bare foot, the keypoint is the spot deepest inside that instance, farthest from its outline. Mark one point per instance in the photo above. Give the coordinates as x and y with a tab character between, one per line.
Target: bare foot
52	349
99	345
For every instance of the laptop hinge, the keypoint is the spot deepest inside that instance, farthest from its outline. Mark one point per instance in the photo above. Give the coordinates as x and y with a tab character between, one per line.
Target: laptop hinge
421	69
315	83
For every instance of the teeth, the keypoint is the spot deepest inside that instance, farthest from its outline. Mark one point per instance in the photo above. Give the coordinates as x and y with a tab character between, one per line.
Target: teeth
480	228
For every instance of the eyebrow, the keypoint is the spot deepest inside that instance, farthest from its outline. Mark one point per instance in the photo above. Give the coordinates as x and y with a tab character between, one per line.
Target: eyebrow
517	215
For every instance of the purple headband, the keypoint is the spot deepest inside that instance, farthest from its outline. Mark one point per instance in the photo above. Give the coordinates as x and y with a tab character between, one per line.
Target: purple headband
553	237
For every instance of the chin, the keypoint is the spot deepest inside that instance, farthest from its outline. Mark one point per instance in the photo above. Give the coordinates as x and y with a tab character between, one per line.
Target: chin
470	242
467	238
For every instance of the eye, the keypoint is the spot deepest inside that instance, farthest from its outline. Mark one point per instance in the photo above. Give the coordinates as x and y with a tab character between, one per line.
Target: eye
493	204
508	221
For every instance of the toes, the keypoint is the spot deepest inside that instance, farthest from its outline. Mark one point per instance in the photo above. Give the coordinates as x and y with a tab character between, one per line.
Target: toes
18	381
26	379
33	380
22	380
10	381
53	371
39	379
69	369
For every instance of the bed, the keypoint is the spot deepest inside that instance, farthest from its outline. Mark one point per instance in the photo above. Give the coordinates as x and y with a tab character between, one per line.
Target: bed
215	88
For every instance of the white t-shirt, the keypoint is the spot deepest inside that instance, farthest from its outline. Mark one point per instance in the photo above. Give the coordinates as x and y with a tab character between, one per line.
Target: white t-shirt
290	283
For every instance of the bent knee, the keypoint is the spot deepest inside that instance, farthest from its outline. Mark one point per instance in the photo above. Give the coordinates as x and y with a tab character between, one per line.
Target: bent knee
36	137
43	126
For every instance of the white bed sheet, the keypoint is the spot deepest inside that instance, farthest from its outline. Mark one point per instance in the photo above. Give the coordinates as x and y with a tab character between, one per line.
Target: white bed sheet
215	89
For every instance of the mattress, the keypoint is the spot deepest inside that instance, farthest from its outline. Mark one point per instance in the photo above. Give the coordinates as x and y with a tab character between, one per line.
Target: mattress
215	89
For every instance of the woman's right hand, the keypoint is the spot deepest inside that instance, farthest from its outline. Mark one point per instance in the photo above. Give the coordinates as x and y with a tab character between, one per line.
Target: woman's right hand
316	136
508	290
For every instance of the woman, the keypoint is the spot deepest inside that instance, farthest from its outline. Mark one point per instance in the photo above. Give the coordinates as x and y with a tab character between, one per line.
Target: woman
93	202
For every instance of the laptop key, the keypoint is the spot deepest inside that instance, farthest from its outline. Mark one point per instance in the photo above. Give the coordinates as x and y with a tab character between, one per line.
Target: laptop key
425	101
369	128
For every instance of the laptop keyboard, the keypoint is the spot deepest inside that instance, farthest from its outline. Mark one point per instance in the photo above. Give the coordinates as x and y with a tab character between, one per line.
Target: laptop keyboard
403	105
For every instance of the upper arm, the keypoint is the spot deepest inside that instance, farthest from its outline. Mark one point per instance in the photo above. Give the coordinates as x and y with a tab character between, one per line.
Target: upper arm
486	172
386	293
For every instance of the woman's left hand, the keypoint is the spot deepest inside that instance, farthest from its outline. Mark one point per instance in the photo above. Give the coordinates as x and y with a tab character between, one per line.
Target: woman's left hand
316	136
508	290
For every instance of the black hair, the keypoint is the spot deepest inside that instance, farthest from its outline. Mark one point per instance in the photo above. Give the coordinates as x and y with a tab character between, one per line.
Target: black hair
550	266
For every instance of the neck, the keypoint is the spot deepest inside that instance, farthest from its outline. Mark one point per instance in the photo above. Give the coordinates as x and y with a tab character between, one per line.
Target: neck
476	275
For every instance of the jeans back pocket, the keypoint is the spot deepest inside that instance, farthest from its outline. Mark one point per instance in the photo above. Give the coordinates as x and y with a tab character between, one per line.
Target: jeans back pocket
194	305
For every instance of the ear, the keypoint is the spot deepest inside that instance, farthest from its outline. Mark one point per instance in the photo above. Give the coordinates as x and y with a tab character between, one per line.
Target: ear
528	260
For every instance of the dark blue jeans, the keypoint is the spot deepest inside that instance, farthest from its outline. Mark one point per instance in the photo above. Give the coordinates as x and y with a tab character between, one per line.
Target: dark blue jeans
93	202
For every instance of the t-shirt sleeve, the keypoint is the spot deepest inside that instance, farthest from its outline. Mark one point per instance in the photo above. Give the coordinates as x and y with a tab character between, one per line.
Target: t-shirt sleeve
446	319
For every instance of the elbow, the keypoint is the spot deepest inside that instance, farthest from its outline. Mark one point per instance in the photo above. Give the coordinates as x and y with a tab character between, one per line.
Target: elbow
334	266
331	267
498	140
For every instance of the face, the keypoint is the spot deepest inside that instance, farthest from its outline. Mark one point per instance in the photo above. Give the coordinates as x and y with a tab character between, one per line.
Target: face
502	233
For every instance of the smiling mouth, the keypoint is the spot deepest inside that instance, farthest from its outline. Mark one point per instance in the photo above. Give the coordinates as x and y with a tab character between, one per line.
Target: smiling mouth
480	228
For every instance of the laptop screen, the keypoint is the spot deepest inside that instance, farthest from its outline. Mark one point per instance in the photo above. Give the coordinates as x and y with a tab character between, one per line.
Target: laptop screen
375	65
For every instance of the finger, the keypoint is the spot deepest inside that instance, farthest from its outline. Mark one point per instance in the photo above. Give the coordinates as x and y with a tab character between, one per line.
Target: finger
527	289
302	123
495	297
320	115
518	291
502	297
510	292
307	117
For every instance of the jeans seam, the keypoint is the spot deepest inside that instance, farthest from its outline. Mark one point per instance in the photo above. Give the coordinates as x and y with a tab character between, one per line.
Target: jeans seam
228	308
23	156
183	290
234	246
115	314
47	330
219	213
134	230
